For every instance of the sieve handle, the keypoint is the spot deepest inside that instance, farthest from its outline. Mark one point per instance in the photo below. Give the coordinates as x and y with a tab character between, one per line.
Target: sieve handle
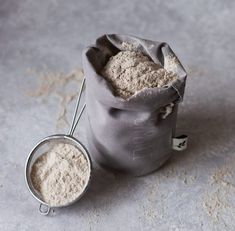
76	117
44	211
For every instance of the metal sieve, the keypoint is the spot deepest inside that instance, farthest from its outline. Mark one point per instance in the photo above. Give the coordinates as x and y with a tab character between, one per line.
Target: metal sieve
45	145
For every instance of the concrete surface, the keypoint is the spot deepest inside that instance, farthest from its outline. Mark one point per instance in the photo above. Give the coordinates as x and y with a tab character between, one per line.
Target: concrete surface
195	189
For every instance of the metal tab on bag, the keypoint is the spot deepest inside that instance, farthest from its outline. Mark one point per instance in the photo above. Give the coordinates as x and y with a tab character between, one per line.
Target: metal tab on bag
179	143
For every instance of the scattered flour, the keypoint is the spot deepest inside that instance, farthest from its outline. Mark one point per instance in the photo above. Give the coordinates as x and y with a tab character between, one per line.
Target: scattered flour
219	204
60	174
213	206
57	84
131	71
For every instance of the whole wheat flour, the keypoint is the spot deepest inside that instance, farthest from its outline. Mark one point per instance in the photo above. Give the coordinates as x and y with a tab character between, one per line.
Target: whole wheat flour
171	63
60	174
56	84
130	71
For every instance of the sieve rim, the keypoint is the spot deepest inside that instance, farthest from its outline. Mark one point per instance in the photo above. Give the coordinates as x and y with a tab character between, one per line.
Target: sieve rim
74	142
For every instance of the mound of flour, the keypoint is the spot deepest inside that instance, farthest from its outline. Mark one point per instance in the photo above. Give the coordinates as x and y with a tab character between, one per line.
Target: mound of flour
130	71
60	174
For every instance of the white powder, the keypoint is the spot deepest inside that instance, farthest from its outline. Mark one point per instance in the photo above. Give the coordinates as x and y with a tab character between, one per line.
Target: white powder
54	83
171	63
61	174
167	110
130	46
131	71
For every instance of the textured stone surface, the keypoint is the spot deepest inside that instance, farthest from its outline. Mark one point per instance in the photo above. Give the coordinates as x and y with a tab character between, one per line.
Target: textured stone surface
195	189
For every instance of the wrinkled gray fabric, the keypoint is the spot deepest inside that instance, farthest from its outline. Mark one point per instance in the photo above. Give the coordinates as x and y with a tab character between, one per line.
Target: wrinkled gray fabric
129	135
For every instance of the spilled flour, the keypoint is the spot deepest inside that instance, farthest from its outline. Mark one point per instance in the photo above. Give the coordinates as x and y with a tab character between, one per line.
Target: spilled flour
57	84
213	206
131	71
61	174
219	204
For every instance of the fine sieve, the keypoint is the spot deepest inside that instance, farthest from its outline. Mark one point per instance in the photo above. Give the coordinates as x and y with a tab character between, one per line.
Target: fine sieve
45	144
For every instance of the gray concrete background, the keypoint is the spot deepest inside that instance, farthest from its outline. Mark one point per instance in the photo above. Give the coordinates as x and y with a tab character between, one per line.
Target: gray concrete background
195	189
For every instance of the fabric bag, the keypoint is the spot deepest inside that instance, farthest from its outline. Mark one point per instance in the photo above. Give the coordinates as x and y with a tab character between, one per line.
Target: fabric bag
133	135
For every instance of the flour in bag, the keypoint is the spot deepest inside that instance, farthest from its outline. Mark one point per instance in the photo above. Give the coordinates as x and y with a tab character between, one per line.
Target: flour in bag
130	71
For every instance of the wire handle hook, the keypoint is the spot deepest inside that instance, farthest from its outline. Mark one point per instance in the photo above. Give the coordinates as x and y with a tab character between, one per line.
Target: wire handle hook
75	117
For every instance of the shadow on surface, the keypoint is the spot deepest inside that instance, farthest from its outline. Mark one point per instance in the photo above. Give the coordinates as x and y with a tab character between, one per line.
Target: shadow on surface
210	129
106	190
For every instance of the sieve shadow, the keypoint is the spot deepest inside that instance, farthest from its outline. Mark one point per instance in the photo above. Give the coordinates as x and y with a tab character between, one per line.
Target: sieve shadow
107	189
